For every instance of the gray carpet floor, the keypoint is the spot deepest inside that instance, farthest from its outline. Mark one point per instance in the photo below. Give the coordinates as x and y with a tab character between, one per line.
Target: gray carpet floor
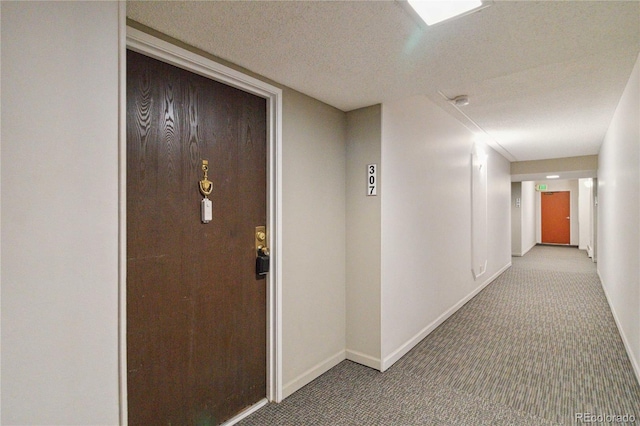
538	346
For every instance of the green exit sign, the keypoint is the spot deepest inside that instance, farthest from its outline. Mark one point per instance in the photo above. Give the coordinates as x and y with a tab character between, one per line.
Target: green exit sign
541	187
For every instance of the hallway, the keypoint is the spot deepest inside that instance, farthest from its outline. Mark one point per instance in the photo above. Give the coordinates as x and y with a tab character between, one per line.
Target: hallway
538	346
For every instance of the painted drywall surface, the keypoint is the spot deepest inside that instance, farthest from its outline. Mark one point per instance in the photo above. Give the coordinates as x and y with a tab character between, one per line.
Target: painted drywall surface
479	210
570	185
585	197
498	214
516	218
568	168
523	218
363	237
619	216
594	221
313	238
426	217
528	207
555	165
59	213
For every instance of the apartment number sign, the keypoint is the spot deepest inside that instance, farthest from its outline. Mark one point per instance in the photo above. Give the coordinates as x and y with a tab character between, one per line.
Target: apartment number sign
372	180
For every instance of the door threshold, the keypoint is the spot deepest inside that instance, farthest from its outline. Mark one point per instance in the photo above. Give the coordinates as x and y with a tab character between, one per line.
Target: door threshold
246	413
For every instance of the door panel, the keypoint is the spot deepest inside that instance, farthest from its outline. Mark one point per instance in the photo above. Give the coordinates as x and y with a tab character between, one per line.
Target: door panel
556	222
196	312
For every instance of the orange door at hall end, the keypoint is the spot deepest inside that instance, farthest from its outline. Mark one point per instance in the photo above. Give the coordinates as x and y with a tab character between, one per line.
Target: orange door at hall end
556	217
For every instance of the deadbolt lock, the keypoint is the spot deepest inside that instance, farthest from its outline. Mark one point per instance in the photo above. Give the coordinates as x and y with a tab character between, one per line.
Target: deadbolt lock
261	237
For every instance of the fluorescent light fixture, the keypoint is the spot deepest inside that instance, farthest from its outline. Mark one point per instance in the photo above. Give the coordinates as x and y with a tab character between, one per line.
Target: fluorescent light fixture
434	11
553	177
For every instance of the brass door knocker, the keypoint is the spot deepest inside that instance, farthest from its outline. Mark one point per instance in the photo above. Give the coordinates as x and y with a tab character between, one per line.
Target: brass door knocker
206	186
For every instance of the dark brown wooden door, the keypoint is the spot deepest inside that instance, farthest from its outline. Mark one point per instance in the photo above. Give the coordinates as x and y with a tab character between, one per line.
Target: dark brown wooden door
556	222
196	312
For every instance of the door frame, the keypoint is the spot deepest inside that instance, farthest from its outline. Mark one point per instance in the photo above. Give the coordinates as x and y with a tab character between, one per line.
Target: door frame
141	42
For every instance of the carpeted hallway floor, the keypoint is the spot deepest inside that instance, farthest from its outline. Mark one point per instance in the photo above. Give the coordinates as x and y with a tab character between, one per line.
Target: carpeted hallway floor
538	346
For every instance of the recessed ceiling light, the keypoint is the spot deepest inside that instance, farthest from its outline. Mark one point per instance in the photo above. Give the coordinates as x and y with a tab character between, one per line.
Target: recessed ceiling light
553	177
434	11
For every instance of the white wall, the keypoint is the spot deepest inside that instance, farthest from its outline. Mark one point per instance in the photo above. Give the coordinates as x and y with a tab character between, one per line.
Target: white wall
528	216
363	237
426	221
313	239
523	218
516	219
585	215
619	216
570	185
594	221
59	213
583	166
498	226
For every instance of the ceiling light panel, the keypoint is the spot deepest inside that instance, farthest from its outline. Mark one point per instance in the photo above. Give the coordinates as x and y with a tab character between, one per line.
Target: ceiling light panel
434	11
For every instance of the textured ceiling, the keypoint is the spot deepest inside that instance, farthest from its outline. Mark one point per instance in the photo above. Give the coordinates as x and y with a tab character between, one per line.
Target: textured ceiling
543	77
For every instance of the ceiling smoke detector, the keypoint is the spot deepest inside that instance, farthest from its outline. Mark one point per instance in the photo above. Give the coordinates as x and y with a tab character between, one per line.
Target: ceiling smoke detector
459	101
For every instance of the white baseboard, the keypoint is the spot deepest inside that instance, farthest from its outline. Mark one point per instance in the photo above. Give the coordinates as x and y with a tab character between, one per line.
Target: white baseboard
313	373
407	346
522	253
527	250
634	362
366	360
245	413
